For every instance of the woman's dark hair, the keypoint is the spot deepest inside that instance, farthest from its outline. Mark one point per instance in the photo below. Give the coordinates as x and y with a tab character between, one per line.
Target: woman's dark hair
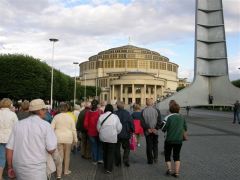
94	104
174	108
108	107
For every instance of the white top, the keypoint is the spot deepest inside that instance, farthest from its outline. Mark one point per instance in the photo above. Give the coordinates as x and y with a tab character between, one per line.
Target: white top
65	128
30	140
110	129
76	114
7	121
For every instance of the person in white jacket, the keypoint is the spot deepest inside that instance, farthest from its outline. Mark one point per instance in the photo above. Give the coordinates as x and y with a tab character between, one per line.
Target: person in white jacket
108	126
7	121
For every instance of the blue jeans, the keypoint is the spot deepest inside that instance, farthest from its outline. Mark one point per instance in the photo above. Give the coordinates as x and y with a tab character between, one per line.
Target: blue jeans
96	148
2	155
236	116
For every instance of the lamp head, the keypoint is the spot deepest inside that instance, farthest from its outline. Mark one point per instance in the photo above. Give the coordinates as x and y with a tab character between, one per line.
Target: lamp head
53	39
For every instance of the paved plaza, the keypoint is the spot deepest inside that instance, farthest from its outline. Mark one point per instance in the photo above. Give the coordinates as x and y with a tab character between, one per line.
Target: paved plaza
212	153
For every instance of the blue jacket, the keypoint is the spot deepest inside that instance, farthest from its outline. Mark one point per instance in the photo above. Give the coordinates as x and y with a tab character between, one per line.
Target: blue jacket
127	124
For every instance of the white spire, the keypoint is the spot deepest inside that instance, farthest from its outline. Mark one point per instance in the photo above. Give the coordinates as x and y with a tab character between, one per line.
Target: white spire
129	40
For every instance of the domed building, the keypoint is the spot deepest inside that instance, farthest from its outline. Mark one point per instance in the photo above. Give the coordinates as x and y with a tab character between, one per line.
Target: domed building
130	74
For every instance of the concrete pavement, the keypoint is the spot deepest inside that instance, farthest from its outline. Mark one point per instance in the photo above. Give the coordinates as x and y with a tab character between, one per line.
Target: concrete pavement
212	153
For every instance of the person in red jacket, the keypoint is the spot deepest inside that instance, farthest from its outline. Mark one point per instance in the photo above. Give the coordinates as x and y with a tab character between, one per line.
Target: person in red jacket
90	124
137	115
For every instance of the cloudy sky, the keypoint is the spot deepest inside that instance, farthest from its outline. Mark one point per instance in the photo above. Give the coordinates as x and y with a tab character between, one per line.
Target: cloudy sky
86	27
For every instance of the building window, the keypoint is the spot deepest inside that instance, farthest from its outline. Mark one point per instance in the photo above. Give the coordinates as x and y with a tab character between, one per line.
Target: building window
152	91
129	89
131	55
132	64
164	66
105	97
120	63
123	90
124	100
174	68
106	83
122	56
151	65
169	67
143	64
148	56
138	100
99	64
129	100
106	56
138	90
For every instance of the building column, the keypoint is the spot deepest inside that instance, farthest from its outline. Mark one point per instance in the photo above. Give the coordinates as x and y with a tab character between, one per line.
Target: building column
110	94
133	93
113	89
155	92
161	90
121	90
144	95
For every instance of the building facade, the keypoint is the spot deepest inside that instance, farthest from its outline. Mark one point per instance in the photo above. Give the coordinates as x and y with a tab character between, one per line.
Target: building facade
130	74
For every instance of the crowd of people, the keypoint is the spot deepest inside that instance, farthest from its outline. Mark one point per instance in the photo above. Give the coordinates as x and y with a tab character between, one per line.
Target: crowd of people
35	141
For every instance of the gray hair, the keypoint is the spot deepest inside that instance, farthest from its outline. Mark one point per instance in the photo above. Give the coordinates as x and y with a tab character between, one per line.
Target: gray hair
120	105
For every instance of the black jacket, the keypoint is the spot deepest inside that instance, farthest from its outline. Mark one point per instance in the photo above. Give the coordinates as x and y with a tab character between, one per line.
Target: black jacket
127	124
80	121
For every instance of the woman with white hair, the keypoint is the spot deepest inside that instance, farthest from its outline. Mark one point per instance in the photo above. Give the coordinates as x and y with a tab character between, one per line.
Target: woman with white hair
7	120
65	130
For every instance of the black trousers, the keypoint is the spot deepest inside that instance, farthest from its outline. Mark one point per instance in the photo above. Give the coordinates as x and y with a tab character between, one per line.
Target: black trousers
126	151
168	148
108	155
152	147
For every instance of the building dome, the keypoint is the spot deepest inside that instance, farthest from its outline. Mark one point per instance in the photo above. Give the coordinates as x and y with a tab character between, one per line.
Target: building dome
129	52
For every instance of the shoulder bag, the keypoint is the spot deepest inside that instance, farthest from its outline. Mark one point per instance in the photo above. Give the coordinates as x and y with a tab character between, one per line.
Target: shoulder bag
105	119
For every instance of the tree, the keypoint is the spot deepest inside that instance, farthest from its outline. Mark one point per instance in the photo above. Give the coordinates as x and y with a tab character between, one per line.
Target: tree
180	88
236	83
24	77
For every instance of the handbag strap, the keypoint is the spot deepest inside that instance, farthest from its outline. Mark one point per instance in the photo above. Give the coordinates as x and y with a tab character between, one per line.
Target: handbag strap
105	119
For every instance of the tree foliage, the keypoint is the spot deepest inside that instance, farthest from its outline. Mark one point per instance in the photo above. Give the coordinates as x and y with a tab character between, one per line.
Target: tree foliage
180	88
236	83
24	77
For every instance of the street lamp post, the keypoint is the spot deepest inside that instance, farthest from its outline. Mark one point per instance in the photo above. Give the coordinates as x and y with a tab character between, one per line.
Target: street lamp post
96	87
85	90
74	98
53	40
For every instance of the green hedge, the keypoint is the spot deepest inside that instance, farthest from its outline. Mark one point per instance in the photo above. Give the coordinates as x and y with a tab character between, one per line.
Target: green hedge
24	77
